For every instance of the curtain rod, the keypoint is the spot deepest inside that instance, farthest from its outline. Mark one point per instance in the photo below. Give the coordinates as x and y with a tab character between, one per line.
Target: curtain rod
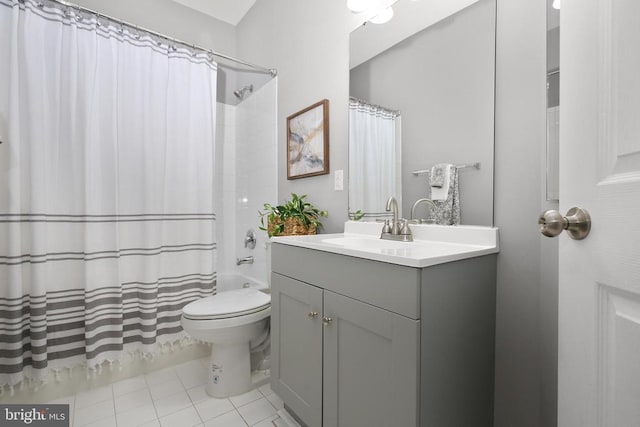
272	71
475	165
362	101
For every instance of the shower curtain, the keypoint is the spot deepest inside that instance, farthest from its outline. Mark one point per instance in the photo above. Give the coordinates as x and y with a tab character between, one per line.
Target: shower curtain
374	154
107	222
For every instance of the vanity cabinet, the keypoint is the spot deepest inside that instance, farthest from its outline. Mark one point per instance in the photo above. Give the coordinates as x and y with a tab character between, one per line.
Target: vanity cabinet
296	309
330	348
357	342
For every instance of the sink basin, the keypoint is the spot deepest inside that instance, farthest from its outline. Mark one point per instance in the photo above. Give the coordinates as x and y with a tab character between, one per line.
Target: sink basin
366	243
432	244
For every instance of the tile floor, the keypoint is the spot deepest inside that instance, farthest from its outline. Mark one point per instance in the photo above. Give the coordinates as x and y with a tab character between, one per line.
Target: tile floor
171	397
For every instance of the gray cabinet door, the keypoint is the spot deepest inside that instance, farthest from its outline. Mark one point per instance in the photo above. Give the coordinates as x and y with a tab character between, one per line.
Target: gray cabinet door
371	365
296	347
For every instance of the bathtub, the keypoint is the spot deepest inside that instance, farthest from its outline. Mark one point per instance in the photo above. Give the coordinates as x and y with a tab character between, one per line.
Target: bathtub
229	281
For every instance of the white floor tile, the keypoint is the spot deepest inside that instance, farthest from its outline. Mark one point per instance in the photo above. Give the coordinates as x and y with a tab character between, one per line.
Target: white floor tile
68	400
160	390
269	422
184	418
93	413
213	407
285	420
257	411
129	385
205	362
105	422
230	419
154	423
245	398
197	394
160	376
265	389
137	416
191	366
93	396
279	422
275	400
174	403
192	374
133	400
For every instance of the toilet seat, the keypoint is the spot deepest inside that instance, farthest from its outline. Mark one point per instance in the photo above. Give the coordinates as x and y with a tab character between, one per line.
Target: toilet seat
228	304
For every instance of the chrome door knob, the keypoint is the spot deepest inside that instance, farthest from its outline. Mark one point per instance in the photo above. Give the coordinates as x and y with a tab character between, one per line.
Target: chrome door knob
326	321
312	315
577	222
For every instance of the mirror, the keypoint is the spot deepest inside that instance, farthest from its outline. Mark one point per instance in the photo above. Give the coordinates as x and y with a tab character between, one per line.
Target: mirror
553	101
433	66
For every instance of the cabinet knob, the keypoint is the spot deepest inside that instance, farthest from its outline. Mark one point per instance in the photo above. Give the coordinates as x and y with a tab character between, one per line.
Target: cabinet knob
326	320
312	314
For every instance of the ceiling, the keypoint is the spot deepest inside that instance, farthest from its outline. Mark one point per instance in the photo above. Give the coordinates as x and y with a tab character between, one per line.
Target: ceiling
230	11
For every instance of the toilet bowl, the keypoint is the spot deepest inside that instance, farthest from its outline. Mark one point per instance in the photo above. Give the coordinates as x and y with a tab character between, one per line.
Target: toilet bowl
230	321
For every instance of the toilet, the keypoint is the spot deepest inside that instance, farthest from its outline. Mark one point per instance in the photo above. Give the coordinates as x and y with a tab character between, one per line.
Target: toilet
232	321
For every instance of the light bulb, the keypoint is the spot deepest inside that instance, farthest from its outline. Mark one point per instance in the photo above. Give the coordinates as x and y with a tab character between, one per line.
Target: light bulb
556	4
357	6
383	16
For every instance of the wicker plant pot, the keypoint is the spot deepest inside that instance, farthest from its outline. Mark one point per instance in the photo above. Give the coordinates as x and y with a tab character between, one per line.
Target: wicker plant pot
292	227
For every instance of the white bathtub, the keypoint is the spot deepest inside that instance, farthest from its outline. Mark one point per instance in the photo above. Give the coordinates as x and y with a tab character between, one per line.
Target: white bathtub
229	281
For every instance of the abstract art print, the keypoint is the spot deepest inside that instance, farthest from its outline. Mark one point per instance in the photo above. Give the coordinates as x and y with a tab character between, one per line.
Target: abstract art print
308	141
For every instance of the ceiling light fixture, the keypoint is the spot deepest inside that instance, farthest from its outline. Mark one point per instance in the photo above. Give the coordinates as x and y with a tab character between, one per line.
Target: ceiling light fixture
378	11
357	6
383	16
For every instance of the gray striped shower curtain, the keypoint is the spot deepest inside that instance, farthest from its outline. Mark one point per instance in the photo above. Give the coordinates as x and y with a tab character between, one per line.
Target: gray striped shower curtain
107	220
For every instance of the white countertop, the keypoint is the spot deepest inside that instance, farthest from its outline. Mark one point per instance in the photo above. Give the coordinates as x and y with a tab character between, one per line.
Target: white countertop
433	244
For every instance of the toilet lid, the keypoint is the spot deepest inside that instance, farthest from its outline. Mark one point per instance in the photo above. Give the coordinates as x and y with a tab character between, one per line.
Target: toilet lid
237	302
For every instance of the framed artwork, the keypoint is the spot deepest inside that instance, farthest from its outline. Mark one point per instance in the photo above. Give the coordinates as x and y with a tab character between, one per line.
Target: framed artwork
308	141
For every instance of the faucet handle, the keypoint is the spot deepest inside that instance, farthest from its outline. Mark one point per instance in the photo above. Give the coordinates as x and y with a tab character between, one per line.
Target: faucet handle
405	230
386	228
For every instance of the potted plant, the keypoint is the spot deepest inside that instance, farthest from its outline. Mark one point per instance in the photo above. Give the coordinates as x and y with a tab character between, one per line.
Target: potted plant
295	217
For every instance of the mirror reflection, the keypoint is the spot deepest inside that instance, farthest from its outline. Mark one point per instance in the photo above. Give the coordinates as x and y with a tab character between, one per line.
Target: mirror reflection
425	101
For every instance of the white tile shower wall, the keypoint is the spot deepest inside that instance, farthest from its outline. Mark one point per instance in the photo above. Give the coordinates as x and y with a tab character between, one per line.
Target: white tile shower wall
256	169
225	172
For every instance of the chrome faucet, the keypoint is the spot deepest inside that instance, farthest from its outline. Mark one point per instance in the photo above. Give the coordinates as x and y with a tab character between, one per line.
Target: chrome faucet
415	205
399	228
245	260
393	203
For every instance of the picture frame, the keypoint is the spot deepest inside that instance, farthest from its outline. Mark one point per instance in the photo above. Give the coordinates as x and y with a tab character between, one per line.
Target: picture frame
308	141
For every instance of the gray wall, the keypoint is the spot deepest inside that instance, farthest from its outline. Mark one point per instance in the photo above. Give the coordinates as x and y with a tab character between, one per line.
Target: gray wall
308	42
172	19
526	333
442	81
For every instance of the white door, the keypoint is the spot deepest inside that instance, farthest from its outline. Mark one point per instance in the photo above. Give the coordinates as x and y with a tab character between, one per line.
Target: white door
599	296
